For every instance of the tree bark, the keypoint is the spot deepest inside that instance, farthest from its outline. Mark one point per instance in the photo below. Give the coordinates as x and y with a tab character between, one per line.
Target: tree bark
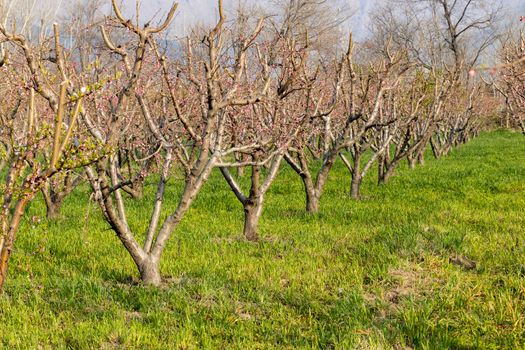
52	201
149	272
252	213
312	198
355	187
380	167
253	203
357	178
313	191
55	193
312	203
436	151
9	241
240	171
412	161
387	174
421	156
53	209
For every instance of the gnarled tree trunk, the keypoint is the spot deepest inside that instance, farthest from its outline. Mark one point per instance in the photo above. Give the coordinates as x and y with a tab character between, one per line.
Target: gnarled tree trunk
313	190
253	203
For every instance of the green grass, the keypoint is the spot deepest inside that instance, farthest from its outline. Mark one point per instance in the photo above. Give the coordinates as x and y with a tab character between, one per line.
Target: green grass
370	274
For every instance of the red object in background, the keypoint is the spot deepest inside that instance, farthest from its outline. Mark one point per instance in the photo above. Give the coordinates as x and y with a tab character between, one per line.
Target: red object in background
522	18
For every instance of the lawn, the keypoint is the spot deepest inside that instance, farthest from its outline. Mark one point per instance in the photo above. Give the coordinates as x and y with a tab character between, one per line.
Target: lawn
435	259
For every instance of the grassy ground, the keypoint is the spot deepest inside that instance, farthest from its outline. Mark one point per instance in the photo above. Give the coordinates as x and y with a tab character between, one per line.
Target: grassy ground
394	270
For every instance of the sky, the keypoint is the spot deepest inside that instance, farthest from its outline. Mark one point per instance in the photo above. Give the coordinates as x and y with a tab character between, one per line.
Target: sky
204	11
191	12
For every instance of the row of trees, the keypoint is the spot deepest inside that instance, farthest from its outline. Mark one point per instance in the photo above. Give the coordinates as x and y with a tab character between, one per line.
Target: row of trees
123	103
510	83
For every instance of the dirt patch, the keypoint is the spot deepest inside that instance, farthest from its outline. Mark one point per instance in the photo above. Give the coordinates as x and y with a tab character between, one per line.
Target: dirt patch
132	316
229	240
409	281
463	262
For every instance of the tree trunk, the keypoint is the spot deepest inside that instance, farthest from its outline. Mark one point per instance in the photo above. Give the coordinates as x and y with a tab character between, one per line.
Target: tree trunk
435	149
9	240
357	178
421	156
55	193
380	167
52	200
239	157
240	171
136	190
252	213
312	203
149	272
412	160
53	209
387	174
355	186
312	200
312	191
253	204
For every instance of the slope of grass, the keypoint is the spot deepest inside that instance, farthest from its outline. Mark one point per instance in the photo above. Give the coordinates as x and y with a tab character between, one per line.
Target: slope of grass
395	270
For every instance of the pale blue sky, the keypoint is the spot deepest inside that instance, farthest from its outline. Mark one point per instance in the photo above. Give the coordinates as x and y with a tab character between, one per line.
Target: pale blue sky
191	12
204	11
